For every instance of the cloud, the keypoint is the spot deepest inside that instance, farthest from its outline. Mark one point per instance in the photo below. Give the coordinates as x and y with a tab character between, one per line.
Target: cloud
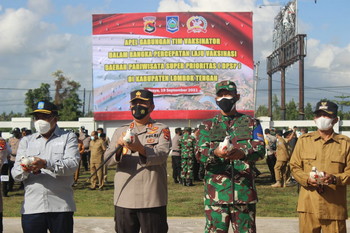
76	14
40	7
32	49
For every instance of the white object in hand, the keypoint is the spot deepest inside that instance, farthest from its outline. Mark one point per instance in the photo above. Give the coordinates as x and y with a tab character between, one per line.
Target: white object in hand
316	175
129	136
27	161
226	144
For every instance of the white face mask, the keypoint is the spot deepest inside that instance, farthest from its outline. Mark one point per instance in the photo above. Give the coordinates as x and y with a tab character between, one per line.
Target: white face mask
324	123
42	126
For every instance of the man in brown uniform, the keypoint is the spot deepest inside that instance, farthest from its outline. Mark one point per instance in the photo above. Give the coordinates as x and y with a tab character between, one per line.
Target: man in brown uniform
97	149
282	157
140	182
322	205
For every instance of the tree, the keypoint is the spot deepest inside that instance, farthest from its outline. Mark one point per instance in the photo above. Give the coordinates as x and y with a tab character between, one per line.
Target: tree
35	95
66	97
292	110
262	111
309	113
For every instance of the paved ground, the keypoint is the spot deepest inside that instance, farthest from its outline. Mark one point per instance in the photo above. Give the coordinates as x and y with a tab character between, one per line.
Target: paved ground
176	225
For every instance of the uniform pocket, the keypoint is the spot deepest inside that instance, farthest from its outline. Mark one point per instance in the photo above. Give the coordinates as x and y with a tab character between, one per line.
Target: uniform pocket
309	161
337	163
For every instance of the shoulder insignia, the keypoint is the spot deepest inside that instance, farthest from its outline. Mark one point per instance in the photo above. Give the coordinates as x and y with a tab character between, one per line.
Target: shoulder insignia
166	133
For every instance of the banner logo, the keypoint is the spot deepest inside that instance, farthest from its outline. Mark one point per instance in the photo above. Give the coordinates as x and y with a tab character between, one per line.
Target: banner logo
172	24
149	24
197	24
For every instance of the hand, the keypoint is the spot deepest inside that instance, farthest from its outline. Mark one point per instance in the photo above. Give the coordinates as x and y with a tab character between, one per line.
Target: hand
328	179
134	146
312	182
38	164
233	154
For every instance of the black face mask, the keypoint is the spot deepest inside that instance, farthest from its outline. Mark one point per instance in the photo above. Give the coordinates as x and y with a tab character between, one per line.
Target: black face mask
139	112
226	104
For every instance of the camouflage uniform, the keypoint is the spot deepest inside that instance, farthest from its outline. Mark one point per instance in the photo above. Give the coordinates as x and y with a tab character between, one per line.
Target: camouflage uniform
187	145
230	193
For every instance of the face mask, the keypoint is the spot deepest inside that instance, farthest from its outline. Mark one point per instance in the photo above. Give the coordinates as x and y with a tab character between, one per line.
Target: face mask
42	127
99	134
139	112
324	123
92	138
226	103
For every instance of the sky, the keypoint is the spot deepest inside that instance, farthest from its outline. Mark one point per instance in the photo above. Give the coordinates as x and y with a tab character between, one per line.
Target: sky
39	37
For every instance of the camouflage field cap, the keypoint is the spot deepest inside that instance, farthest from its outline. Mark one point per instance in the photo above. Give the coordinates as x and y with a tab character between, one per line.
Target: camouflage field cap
188	129
228	85
327	106
45	107
142	95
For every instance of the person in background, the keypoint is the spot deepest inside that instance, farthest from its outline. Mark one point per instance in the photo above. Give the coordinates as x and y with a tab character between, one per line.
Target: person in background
229	188
81	151
46	162
103	136
322	203
97	149
4	153
13	144
281	168
303	130
85	138
140	181
270	144
176	155
187	146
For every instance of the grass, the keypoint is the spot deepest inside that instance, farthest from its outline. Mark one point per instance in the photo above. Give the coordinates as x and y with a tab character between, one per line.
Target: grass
183	201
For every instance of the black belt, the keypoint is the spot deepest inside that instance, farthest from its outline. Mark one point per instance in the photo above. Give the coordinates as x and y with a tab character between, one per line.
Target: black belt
176	150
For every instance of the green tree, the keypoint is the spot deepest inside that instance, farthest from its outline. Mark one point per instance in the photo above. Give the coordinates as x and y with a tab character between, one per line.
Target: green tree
35	95
292	110
66	97
276	109
309	113
262	111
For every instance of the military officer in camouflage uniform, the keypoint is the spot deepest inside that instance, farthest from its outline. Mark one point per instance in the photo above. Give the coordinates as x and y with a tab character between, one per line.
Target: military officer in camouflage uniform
230	193
187	145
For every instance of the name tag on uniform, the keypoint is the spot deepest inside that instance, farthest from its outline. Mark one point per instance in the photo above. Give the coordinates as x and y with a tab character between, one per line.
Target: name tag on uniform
4	178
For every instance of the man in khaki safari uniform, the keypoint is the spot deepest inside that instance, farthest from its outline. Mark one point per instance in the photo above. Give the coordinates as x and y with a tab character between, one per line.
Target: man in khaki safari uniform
322	200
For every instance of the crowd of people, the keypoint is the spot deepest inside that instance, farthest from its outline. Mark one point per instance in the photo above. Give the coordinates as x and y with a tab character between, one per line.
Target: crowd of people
221	152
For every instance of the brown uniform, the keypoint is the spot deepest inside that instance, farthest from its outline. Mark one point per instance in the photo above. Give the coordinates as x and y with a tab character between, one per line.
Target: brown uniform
333	157
97	148
282	158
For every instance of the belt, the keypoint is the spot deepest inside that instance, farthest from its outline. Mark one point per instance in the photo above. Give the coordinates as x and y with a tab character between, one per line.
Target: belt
176	150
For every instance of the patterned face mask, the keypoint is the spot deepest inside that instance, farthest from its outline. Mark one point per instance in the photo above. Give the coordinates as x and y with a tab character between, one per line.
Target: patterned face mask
139	111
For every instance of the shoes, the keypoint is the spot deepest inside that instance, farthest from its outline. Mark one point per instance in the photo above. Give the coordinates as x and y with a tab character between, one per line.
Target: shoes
100	189
92	188
289	184
176	181
277	185
189	183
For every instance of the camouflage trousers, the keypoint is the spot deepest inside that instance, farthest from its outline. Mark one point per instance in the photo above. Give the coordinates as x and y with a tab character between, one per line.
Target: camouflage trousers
218	218
187	168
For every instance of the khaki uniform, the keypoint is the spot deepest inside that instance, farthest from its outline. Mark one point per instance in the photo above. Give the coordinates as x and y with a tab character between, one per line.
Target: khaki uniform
97	148
282	158
141	182
333	157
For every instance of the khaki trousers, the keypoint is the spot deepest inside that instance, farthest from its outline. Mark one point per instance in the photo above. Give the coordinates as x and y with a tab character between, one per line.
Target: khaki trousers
308	223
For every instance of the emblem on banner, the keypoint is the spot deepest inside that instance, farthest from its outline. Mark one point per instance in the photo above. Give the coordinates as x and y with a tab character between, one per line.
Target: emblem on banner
197	24
172	24
149	24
